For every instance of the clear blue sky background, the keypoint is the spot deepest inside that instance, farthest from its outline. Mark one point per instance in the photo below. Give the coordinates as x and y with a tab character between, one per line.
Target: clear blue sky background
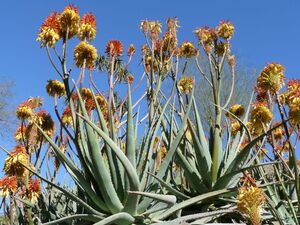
266	31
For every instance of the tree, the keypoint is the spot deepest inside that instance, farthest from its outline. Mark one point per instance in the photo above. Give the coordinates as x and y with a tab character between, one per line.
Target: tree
6	109
243	86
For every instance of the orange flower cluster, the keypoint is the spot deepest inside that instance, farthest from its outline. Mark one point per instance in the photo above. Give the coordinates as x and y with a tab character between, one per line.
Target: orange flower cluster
8	185
114	48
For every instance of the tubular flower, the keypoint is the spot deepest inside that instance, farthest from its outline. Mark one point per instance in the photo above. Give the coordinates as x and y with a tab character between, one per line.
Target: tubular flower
161	155
46	122
278	132
49	31
235	128
261	113
55	88
225	30
154	27
20	133
69	21
188	50
114	48
206	35
130	79
87	28
294	112
237	110
131	50
250	201
86	93
185	84
101	102
13	163
24	111
34	190
67	117
293	91
8	185
85	52
271	78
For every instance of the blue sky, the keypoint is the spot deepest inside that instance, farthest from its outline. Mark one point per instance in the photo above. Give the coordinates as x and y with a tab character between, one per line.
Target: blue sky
266	31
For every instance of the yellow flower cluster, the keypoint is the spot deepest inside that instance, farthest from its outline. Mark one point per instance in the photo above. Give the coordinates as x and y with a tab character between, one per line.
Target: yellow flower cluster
260	116
294	112
67	117
55	88
237	110
235	128
186	84
24	111
225	30
85	52
292	99
49	32
271	78
250	201
87	28
188	50
69	21
13	165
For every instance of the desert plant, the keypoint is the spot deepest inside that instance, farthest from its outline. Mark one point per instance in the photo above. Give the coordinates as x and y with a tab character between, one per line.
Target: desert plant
160	167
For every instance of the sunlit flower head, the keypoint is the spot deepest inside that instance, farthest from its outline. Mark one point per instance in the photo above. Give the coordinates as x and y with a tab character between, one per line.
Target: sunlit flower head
186	84
225	30
86	93
153	27
55	88
114	48
237	110
278	132
46	122
49	32
188	50
261	113
87	28
130	78
24	111
67	117
206	35
131	50
250	201
101	102
85	52
13	165
235	127
34	190
8	185
271	77
294	114
69	21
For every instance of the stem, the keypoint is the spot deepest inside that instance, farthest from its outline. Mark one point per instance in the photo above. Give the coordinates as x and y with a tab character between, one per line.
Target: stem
292	155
